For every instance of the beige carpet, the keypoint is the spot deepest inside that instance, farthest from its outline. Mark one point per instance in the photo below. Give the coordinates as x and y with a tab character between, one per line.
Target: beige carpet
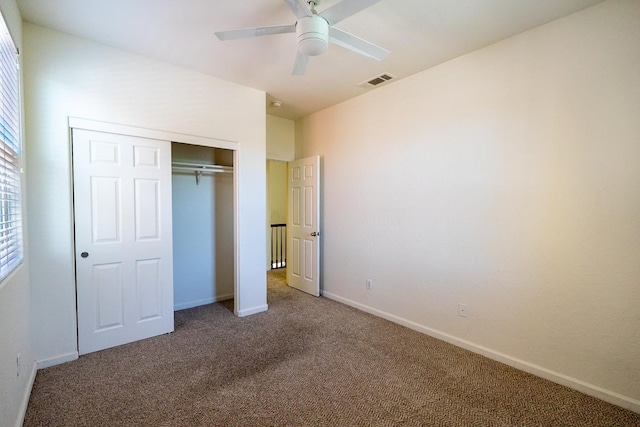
306	362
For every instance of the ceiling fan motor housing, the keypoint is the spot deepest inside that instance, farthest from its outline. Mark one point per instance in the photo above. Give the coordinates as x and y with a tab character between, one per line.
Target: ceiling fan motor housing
313	35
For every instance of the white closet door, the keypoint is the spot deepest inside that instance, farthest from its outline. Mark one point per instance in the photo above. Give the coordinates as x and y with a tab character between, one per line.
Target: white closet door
123	236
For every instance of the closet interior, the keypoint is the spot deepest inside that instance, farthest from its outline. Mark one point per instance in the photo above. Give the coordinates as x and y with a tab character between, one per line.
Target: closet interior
203	262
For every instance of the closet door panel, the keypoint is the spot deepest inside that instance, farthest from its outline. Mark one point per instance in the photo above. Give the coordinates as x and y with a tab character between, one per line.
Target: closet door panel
124	256
106	213
149	288
147	209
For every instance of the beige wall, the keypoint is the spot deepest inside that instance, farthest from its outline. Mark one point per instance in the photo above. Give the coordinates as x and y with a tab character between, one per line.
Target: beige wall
280	138
68	76
277	191
508	180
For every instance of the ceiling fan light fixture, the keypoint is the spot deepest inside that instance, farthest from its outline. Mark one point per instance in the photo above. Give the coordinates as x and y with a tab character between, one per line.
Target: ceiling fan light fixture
313	35
315	30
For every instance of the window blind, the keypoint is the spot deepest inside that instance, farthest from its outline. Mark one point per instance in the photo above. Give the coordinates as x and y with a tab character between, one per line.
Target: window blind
10	204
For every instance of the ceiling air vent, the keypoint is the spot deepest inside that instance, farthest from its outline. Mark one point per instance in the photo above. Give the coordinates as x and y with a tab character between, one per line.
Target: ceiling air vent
377	80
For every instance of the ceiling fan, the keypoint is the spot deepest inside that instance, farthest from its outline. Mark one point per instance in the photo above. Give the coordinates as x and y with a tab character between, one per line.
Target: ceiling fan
315	30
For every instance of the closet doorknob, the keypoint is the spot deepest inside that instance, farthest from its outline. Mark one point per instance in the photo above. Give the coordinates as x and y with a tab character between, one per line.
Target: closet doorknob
84	254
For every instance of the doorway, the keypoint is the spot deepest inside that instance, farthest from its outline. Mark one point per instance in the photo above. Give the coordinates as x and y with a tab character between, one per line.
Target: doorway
276	214
202	204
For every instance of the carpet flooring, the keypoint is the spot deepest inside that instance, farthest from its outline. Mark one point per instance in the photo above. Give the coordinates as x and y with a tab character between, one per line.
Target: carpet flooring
305	362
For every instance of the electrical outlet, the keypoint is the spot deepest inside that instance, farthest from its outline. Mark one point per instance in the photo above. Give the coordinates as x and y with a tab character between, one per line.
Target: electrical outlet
18	365
369	284
462	310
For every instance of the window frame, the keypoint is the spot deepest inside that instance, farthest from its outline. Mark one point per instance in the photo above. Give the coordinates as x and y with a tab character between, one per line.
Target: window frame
11	212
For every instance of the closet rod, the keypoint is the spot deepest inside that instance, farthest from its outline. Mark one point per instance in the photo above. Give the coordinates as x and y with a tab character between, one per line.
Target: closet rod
201	170
200	167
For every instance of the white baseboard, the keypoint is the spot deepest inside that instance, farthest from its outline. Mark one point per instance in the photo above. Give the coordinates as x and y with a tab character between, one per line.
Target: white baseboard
64	358
196	303
581	386
254	310
27	395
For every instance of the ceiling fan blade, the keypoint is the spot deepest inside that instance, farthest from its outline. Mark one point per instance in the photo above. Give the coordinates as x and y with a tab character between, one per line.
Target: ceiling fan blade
300	64
255	32
345	9
299	8
356	44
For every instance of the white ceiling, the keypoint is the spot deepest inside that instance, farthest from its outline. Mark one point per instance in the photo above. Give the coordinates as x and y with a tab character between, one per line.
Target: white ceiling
419	34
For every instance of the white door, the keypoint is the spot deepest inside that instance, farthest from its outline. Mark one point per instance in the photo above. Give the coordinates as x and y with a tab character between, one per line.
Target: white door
303	229
123	240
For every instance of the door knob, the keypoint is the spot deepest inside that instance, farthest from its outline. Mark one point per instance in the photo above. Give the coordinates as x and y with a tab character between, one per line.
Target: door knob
84	254
314	234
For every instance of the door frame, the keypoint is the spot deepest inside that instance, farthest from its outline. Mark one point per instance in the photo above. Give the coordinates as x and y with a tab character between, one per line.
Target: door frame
93	125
